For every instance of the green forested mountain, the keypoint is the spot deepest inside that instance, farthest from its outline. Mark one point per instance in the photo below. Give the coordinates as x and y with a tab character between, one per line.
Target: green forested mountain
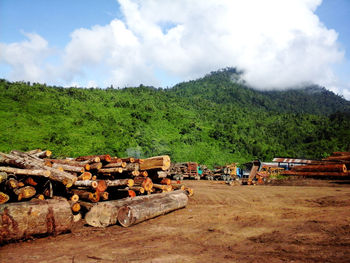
212	120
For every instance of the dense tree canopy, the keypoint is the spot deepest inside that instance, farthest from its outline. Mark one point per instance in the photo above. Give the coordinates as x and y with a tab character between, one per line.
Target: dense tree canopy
212	120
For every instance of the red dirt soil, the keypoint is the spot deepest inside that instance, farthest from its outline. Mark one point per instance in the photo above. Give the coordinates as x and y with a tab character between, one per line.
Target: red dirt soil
295	221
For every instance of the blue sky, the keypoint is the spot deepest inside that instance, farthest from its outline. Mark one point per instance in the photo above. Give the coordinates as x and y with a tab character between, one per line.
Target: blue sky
126	42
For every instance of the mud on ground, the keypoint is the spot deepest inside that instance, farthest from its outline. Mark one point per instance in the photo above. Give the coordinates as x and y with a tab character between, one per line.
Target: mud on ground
295	222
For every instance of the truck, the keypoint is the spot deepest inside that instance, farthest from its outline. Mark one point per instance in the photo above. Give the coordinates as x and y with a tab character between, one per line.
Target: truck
180	171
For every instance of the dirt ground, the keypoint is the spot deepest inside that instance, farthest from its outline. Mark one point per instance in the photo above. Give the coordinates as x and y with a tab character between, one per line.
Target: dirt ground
293	221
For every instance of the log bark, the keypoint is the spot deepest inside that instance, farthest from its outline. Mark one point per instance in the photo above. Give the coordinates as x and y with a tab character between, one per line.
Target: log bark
29	163
3	198
32	172
3	177
41	154
24	192
120	182
144	182
95	166
111	170
69	168
166	188
128	159
157	162
26	219
85	195
87	183
97	158
135	213
316	174
104	214
115	165
341	168
70	162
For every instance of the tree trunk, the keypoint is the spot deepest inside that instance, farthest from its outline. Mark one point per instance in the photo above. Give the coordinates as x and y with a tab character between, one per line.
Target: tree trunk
26	219
105	213
120	182
69	168
32	172
96	158
341	168
134	213
157	162
111	170
3	198
24	192
115	165
28	163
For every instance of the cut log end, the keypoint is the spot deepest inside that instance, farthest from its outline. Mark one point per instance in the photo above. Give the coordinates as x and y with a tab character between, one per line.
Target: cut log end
125	217
3	198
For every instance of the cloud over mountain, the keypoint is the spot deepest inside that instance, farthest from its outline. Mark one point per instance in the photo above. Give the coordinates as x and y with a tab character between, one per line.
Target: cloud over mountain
276	43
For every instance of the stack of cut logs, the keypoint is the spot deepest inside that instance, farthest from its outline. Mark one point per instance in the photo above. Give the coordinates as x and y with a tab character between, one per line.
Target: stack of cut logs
79	182
336	165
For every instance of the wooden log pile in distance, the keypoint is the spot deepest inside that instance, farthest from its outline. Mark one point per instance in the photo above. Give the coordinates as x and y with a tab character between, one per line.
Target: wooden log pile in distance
336	165
33	179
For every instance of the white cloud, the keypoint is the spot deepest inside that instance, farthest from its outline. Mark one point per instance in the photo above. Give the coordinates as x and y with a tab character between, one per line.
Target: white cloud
277	43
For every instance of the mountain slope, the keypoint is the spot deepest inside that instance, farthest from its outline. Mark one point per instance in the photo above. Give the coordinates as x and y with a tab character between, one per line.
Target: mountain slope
212	120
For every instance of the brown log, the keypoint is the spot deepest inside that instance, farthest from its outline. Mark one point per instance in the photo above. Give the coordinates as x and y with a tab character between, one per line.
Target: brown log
104	195
178	186
3	177
339	158
144	182
157	162
111	170
105	213
25	155
74	206
189	191
97	158
3	198
69	168
20	184
135	173
70	162
85	176
77	217
24	192
341	168
135	213
74	198
138	189
25	219
166	181
30	181
85	195
32	172
165	188
87	183
315	174
120	182
128	159
101	186
144	173
115	165
340	153
95	166
41	154
115	160
12	183
40	197
29	163
33	151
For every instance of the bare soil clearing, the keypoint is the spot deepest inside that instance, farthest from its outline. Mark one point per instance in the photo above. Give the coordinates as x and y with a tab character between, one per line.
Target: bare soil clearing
295	221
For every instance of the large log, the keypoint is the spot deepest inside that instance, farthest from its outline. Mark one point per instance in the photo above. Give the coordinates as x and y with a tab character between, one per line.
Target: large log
341	168
105	213
315	174
120	182
157	162
11	170
24	192
26	219
29	163
3	198
97	158
135	213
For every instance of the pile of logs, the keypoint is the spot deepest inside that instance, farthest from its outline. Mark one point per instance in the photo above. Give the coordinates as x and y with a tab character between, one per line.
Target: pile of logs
336	165
135	186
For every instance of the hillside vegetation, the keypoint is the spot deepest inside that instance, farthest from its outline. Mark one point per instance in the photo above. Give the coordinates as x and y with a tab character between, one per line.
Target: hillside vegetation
212	120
